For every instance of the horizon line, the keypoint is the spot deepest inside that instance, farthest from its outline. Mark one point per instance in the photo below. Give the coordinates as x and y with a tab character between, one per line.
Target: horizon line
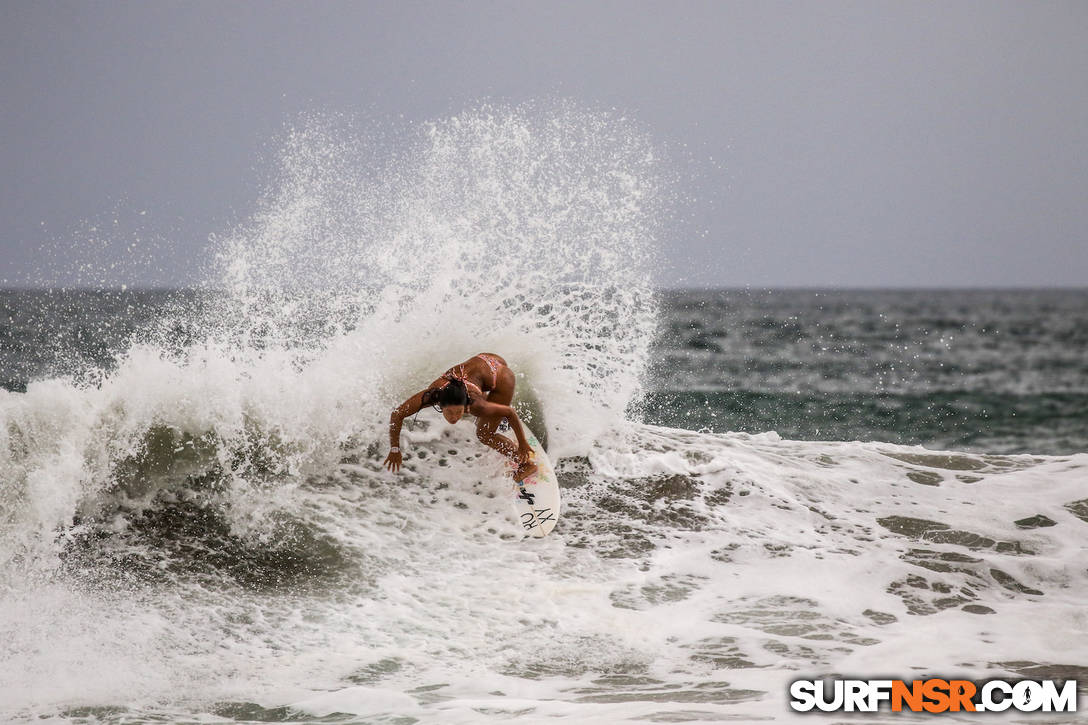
660	288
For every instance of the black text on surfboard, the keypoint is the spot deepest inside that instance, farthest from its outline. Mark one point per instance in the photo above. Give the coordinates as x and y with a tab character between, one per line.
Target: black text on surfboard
536	498
531	519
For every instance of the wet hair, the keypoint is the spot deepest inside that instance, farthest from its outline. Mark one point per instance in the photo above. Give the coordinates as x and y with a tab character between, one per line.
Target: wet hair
452	393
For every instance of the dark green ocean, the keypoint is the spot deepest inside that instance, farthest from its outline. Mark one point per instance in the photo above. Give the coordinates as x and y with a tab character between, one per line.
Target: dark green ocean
1000	371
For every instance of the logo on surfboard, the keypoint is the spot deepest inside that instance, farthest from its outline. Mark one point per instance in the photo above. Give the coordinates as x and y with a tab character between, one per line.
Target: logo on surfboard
531	519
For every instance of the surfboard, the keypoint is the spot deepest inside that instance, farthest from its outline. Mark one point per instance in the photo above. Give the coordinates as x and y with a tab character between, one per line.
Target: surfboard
536	499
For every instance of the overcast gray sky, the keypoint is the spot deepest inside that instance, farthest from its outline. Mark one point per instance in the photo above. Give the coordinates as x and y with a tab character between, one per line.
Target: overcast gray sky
828	143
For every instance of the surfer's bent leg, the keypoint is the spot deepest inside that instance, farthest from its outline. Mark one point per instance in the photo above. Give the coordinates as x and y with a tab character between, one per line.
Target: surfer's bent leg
486	427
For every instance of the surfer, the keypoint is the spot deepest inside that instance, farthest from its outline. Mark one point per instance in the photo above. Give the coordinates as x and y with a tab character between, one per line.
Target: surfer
483	385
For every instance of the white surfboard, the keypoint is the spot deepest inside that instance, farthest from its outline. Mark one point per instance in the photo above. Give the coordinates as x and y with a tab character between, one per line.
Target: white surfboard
536	499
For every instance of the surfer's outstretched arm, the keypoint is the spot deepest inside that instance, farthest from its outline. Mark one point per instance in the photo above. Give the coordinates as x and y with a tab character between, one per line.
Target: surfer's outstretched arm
396	419
487	409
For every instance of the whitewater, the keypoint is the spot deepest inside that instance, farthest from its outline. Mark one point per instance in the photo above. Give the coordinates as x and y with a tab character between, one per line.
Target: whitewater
201	530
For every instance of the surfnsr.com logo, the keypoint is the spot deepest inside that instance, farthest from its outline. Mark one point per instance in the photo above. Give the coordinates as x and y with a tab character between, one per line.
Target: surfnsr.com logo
933	695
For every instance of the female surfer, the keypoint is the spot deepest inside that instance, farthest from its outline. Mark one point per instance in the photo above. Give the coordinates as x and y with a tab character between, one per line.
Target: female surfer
482	385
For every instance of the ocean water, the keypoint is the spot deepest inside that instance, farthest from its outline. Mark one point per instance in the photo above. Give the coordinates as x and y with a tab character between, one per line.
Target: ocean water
758	486
989	371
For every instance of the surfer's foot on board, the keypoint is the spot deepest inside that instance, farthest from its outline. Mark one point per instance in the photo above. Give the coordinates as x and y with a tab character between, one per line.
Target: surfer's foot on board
524	471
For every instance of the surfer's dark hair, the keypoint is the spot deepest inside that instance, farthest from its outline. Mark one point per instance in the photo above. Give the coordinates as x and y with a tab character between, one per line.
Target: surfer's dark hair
452	393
